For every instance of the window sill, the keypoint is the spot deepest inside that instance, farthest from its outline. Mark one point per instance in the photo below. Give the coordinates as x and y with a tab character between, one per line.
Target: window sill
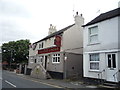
94	70
93	43
55	62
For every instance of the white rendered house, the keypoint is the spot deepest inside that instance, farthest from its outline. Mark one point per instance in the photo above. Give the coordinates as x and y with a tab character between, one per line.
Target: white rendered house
102	47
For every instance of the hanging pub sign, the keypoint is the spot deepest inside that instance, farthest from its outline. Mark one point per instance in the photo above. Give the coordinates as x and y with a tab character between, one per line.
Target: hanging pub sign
48	50
57	41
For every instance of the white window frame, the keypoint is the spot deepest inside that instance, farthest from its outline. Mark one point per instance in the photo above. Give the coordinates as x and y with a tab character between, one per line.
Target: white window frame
93	34
94	61
31	59
40	59
56	57
41	45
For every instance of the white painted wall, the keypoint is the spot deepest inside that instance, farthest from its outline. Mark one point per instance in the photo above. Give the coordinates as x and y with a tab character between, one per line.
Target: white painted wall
73	37
108	40
49	42
108	36
119	65
94	74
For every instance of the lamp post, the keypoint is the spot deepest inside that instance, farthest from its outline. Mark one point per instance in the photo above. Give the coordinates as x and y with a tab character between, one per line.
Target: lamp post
11	55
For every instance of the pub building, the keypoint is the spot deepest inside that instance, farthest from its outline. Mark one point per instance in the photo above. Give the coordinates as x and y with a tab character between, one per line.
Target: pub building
60	54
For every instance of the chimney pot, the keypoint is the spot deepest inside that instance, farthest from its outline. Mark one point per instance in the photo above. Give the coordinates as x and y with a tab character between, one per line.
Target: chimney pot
50	24
76	13
81	15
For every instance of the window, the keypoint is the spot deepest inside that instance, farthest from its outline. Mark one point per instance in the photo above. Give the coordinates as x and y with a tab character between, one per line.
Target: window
56	58
111	60
93	34
31	59
35	60
40	60
41	45
94	61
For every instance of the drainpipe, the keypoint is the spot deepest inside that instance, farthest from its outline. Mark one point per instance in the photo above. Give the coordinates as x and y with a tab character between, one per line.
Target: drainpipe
65	64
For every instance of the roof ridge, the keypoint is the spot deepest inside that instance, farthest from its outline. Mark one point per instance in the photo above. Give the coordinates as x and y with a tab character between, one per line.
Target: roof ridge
104	16
55	33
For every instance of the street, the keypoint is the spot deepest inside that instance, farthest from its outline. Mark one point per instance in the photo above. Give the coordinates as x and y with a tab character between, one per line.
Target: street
0	78
11	80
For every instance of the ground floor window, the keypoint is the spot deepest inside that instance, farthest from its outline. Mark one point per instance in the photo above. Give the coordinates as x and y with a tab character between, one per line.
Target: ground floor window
94	61
56	58
40	59
31	59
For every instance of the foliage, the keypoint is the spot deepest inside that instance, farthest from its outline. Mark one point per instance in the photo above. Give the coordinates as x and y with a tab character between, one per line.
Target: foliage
15	51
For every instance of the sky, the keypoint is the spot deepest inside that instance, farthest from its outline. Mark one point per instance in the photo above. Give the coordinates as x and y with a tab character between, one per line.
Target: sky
31	19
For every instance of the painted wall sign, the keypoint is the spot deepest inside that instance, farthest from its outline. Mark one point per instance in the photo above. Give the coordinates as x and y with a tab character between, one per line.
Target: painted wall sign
48	50
57	41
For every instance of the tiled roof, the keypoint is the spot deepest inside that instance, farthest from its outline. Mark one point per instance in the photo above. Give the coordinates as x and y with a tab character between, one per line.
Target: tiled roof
104	16
55	33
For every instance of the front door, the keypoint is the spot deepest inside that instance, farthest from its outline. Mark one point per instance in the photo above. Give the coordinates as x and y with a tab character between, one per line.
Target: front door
45	62
111	67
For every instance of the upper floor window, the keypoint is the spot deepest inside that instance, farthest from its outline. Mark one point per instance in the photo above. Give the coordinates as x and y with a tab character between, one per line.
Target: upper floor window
93	35
41	45
94	61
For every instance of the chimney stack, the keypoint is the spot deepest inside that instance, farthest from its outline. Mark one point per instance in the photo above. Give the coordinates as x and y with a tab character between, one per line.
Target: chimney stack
79	20
52	29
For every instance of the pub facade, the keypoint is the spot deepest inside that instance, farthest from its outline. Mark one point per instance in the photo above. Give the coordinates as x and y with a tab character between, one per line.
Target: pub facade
59	55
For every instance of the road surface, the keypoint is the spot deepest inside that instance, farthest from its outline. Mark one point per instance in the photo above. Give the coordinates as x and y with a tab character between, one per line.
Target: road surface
11	80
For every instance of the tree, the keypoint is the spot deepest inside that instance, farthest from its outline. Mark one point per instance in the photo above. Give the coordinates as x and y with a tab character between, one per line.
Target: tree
16	51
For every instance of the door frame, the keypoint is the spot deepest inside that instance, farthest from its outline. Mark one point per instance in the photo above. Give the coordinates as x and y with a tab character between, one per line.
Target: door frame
108	69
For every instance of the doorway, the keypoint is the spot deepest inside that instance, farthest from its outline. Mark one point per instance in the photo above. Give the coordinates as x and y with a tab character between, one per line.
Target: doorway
45	62
111	67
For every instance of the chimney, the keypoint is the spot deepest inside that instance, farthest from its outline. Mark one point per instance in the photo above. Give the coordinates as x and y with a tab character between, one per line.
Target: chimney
52	29
79	20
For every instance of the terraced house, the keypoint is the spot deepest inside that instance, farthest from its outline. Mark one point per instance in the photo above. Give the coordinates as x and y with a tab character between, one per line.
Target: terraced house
60	54
102	47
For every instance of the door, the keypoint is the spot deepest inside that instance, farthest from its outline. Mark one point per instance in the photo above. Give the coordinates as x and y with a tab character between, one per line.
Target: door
111	67
45	62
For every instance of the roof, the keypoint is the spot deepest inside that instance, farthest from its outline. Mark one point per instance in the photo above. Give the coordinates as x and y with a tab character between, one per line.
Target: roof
55	33
104	16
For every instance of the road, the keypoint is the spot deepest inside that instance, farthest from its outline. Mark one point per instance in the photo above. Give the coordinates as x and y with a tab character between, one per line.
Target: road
11	80
0	78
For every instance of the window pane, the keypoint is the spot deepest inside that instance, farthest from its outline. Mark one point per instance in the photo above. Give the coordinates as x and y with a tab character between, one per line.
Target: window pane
93	30
109	61
58	54
35	60
58	59
94	38
53	59
94	57
114	60
39	45
94	66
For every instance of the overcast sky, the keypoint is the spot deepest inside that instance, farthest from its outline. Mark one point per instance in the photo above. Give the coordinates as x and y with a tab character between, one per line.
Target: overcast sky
30	19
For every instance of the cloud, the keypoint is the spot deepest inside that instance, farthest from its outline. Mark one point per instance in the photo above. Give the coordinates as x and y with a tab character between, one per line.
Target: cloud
12	9
11	14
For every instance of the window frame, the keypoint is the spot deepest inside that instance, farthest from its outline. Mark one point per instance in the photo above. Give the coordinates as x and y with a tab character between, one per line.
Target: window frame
41	45
94	61
55	58
31	59
90	35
